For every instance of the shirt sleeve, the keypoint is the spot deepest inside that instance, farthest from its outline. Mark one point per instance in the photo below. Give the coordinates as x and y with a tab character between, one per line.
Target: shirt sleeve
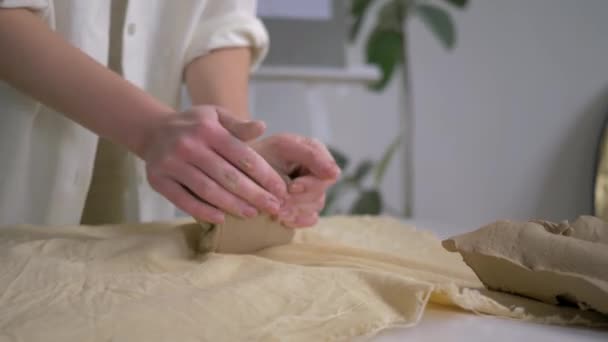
40	7
229	23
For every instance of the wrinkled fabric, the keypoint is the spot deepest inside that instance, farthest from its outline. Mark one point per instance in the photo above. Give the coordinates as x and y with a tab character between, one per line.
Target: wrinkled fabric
346	277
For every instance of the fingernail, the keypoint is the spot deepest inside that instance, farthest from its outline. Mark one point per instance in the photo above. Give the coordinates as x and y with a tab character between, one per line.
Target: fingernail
330	173
218	218
307	220
330	170
296	188
249	212
273	204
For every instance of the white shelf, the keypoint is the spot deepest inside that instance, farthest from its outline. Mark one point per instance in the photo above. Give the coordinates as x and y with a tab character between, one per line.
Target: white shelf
363	74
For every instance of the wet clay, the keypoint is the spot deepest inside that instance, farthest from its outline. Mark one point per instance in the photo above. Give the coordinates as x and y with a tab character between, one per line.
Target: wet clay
244	235
557	263
240	236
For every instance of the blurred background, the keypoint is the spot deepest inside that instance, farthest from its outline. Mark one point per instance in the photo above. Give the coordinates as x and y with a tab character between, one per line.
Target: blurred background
494	109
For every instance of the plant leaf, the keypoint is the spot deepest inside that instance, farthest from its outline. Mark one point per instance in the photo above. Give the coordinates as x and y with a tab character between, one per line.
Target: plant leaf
383	164
385	50
368	203
357	10
439	22
362	170
384	46
391	16
340	158
458	3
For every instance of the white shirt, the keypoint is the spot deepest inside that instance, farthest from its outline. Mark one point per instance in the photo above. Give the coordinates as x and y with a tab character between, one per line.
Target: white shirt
46	160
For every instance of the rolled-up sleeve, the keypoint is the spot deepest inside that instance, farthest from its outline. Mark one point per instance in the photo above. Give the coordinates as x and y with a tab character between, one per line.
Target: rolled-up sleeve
229	23
41	7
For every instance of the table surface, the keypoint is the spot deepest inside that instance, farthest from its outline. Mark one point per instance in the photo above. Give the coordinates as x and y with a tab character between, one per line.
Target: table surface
441	324
444	324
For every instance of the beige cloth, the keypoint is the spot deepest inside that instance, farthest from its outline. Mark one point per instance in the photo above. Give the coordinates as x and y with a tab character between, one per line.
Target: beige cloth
555	263
346	277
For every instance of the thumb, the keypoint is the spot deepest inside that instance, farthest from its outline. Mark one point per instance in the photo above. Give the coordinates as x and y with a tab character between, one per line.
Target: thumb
242	129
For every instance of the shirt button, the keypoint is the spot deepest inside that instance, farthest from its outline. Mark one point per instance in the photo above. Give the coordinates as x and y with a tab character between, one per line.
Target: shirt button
131	29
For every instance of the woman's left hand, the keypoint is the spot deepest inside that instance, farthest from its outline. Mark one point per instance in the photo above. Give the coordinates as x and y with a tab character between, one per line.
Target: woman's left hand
311	169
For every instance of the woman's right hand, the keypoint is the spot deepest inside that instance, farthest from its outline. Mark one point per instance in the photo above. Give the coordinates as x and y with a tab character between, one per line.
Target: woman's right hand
200	161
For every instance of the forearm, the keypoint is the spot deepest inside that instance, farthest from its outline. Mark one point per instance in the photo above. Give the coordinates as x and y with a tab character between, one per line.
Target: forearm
40	63
221	78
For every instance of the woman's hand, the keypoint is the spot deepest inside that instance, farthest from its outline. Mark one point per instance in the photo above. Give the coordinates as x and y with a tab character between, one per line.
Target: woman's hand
199	160
312	171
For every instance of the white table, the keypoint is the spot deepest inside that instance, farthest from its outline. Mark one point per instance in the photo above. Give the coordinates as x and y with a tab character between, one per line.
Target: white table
444	324
439	324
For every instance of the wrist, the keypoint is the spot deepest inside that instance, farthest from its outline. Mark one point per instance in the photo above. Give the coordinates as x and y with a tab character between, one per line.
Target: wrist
138	134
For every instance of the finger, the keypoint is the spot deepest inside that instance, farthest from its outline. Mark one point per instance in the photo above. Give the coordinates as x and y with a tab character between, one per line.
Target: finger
303	220
309	154
249	162
308	184
236	182
242	129
175	193
209	191
296	204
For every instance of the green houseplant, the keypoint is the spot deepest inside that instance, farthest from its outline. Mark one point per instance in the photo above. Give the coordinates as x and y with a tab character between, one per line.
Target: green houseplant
386	48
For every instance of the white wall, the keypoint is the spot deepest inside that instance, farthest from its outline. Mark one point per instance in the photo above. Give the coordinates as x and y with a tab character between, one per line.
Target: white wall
506	124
